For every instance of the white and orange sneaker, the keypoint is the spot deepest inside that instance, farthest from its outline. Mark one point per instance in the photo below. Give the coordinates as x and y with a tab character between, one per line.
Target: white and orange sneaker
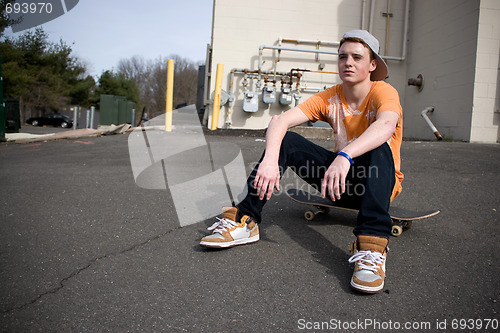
226	232
370	254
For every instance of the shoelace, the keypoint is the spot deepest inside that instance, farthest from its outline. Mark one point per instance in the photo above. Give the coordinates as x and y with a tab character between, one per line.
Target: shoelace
368	260
222	224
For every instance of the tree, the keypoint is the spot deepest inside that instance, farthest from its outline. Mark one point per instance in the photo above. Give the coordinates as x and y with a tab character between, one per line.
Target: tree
151	80
185	81
42	75
139	71
5	21
81	91
119	85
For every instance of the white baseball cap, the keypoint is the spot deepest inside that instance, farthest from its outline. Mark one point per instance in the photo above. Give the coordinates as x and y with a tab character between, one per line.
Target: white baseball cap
381	72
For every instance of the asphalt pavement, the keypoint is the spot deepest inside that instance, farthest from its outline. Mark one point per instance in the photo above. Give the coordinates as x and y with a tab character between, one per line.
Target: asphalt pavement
83	248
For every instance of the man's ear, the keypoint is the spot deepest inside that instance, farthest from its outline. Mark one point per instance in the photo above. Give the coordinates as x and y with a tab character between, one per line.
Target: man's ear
373	65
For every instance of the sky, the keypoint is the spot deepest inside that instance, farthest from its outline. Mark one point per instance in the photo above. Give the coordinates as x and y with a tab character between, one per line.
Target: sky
101	32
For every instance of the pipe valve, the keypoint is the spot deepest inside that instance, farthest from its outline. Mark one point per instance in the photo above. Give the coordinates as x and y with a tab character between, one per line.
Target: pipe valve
417	82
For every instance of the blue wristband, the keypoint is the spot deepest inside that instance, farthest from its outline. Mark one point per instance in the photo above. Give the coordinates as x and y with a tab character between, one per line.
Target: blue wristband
341	153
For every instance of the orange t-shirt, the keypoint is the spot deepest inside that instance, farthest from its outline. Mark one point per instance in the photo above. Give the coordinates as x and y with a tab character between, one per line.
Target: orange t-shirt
348	124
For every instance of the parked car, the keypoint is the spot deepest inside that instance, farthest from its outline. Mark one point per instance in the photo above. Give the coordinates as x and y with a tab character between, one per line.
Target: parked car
54	119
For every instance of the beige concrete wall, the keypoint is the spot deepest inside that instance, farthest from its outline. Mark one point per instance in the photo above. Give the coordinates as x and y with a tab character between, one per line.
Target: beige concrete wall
442	47
486	108
241	26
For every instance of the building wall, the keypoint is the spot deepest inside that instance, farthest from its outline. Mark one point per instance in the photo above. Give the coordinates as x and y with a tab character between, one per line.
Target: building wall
486	107
241	26
442	47
454	44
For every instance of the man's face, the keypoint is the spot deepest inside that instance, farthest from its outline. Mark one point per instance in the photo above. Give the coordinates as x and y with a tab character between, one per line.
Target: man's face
355	65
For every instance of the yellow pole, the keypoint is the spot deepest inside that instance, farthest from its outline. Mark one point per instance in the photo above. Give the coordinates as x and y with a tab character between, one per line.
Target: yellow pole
170	95
216	105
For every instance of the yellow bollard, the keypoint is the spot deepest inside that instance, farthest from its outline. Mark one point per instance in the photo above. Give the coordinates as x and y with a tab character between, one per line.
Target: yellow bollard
216	104
170	95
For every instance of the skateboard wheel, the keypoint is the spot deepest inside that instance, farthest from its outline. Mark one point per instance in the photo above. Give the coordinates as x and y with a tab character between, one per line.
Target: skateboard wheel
396	230
309	215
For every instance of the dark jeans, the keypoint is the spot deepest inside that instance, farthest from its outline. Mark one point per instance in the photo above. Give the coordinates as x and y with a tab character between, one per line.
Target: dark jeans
369	183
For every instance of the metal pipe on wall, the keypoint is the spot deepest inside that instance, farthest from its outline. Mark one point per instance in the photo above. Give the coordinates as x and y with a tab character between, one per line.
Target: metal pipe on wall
307	41
405	29
229	115
405	32
372	14
388	15
363	6
281	48
429	122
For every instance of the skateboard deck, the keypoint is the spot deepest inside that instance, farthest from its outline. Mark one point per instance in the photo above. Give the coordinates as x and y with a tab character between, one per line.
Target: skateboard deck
401	218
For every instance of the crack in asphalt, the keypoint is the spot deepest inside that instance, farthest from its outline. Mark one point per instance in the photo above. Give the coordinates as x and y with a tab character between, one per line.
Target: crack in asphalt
78	271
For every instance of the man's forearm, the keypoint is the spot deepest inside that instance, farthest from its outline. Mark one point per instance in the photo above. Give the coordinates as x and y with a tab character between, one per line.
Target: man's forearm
274	136
375	135
276	132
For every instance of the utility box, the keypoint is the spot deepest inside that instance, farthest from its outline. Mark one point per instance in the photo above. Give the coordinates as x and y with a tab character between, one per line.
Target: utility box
125	111
116	110
12	116
251	102
269	95
285	96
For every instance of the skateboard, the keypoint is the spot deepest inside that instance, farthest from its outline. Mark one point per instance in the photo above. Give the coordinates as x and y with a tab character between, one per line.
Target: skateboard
401	218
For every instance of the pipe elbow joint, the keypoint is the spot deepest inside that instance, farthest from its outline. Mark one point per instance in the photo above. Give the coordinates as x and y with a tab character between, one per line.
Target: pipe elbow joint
426	110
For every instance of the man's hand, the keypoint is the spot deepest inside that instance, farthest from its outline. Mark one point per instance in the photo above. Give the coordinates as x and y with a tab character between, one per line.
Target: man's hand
375	135
334	180
266	179
268	173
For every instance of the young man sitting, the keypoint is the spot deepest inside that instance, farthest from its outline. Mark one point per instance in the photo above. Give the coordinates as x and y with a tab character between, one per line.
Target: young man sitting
366	117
